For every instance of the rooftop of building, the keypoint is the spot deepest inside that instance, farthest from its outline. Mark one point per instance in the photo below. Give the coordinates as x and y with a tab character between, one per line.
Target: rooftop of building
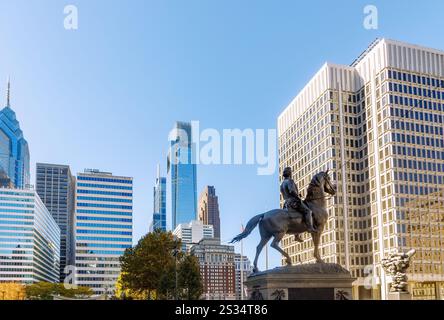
374	45
97	172
45	164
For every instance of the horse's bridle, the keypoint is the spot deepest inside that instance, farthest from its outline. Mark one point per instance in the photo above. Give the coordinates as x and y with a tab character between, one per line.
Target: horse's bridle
329	185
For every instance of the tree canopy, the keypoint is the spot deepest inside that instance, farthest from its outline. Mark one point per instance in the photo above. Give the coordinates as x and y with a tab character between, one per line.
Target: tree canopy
157	268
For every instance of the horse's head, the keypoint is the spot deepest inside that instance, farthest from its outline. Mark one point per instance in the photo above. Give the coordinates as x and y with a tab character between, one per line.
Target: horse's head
323	181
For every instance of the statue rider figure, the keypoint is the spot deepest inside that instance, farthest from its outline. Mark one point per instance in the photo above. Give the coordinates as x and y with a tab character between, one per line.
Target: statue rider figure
293	202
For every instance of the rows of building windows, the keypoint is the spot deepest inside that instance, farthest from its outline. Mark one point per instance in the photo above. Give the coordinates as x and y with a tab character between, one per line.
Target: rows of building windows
414	78
104	186
16	211
122	233
100	205
99	179
82	238
102	225
117	213
104	199
10	216
103	219
110	193
99	252
102	245
13	193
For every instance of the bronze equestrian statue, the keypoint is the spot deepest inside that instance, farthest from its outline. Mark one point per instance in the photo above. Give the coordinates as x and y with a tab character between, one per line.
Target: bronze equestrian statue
295	217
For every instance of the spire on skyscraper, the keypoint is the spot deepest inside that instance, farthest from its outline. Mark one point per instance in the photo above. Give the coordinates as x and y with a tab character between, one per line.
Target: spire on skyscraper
8	92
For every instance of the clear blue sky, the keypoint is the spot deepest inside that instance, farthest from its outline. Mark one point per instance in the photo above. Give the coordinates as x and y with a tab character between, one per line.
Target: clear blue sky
106	95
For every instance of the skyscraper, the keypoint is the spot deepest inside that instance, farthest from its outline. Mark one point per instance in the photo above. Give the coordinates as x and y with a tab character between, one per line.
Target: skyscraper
209	209
159	207
379	125
55	185
14	152
181	167
103	227
29	239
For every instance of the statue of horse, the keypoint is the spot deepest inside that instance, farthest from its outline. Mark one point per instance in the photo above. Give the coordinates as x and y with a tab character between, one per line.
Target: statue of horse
277	223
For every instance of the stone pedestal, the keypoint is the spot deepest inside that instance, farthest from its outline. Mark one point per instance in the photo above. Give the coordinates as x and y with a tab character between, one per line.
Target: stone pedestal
319	281
399	296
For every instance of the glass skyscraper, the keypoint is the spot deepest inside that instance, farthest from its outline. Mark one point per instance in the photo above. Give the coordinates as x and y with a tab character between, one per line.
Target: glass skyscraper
55	186
159	207
14	152
103	228
29	239
181	169
378	124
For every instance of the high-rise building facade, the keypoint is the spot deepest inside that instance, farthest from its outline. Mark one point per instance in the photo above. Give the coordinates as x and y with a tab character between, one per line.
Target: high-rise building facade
217	269
14	151
55	185
103	228
379	125
243	268
29	239
159	200
193	232
209	209
181	169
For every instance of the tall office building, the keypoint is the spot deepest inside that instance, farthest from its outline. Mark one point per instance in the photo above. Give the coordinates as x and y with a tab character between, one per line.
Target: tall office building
181	169
29	239
14	152
159	207
243	269
192	233
209	209
55	185
217	269
103	227
379	125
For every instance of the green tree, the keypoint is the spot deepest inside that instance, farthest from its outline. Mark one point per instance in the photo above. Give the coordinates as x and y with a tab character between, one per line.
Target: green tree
150	268
190	281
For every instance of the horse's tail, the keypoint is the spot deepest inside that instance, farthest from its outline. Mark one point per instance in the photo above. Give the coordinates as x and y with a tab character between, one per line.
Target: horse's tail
250	226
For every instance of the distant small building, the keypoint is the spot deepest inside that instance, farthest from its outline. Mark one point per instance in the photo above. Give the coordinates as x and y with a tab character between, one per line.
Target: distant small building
242	266
192	233
217	269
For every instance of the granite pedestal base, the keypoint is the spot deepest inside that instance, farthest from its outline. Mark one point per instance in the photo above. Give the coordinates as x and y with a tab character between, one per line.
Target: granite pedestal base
399	296
319	281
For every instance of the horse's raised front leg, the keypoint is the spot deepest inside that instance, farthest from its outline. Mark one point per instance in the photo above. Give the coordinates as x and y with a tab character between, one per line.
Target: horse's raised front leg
275	245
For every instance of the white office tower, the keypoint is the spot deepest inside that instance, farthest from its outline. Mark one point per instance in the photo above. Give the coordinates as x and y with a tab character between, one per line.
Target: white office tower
29	239
104	228
378	124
